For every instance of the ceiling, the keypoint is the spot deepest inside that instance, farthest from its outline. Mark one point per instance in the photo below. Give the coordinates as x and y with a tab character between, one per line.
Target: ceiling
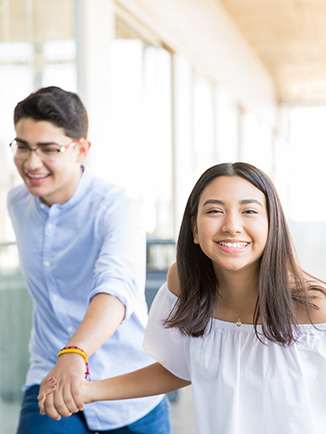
36	20
289	36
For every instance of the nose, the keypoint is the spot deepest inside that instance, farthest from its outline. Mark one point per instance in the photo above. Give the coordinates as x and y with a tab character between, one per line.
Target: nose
232	223
33	161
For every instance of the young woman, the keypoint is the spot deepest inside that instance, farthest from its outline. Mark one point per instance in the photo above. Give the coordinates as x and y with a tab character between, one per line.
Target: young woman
238	318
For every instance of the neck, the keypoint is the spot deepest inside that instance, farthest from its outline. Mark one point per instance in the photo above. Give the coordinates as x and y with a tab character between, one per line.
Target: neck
63	195
239	285
238	292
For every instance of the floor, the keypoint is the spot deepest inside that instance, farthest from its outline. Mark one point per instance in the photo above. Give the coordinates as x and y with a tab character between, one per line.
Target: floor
8	417
181	412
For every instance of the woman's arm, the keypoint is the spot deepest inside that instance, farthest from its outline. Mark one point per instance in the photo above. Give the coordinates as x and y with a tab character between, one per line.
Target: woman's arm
152	380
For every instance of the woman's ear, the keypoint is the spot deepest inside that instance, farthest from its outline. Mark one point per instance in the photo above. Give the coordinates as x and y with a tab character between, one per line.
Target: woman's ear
84	146
194	230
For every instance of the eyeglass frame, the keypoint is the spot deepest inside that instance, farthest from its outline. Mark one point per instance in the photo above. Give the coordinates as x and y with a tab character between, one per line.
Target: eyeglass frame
37	150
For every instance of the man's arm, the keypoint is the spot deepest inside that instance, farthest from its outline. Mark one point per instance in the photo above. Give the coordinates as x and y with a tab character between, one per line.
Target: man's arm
117	281
103	316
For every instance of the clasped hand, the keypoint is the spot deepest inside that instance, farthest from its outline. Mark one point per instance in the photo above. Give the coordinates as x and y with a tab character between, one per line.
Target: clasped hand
61	390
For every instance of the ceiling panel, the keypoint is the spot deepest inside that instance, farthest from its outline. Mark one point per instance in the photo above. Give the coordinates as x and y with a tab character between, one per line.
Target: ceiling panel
289	36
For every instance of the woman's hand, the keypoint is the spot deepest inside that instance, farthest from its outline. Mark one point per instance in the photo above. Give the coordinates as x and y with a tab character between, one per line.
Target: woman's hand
46	388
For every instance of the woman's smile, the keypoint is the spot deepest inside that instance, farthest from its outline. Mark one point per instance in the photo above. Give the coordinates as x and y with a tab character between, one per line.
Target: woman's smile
231	226
232	246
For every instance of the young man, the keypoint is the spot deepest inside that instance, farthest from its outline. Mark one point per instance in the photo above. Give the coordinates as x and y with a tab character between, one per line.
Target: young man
82	254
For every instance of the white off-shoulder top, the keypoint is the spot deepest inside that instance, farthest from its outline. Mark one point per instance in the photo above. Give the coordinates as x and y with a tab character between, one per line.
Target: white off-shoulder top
240	385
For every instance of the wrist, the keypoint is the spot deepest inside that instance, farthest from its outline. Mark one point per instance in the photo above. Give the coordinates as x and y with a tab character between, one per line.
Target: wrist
76	351
72	359
89	392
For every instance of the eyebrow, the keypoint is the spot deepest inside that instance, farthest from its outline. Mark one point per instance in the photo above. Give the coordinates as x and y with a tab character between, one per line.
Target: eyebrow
37	144
242	202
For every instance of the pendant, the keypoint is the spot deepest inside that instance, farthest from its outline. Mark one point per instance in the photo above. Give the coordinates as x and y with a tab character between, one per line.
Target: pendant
238	323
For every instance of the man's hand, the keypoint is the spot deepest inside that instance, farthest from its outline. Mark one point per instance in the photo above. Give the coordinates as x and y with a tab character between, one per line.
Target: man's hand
103	316
61	396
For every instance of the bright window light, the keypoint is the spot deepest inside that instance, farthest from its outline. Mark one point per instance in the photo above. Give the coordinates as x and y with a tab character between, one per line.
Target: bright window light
307	164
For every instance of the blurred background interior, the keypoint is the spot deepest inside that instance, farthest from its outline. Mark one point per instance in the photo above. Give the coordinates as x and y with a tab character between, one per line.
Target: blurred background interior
172	87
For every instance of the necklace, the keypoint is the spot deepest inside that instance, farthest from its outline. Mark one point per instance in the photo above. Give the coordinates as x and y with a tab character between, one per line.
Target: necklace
238	322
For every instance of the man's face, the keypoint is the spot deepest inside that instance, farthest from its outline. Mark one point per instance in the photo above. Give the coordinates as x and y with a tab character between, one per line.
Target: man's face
52	180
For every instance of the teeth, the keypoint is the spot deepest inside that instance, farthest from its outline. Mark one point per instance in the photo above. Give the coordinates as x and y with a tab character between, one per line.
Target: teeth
37	176
234	245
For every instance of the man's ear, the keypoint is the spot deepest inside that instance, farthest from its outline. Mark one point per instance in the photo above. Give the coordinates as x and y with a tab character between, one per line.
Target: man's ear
83	148
194	230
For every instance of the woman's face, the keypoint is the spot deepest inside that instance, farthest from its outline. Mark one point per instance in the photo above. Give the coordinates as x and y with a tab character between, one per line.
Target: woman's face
232	224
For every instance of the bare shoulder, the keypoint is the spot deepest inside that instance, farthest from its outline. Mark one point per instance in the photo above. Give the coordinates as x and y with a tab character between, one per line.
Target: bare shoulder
173	280
318	298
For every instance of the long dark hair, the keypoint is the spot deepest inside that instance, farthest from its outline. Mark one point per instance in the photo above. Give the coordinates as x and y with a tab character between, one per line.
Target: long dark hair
281	280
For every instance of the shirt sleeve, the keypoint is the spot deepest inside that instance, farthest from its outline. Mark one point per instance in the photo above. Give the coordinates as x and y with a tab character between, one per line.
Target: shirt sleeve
166	345
120	268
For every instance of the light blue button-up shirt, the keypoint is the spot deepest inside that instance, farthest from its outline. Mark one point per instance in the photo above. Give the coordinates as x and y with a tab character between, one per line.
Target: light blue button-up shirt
94	243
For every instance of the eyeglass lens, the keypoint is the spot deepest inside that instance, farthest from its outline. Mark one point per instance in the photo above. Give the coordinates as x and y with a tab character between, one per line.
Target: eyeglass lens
22	150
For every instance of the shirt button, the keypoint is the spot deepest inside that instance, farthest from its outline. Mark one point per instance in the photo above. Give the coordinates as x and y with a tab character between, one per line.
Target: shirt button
46	263
55	297
70	329
50	226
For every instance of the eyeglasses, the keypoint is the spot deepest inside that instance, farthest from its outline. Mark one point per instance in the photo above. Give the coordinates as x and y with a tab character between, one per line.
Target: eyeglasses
46	152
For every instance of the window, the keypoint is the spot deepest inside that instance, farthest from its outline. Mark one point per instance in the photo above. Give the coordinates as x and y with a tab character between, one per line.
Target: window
227	127
33	53
203	125
139	152
257	146
306	171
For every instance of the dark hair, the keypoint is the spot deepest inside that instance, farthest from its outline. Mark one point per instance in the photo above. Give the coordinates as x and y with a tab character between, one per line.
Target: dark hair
53	104
281	280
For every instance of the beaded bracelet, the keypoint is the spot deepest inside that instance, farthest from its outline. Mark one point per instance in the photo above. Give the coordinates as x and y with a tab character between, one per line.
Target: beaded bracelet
77	350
